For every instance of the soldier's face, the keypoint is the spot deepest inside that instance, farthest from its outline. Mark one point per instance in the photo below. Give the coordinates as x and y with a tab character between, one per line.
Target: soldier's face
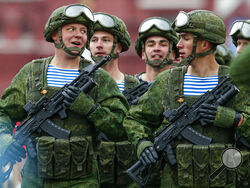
156	48
185	44
101	44
241	43
74	35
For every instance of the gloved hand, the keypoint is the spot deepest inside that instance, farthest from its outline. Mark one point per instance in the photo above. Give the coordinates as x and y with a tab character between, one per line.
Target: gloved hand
15	152
149	156
70	94
219	116
11	149
207	113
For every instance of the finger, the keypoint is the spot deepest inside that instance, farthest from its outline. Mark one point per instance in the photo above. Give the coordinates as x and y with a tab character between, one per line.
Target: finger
154	153
143	160
207	116
209	106
146	158
150	156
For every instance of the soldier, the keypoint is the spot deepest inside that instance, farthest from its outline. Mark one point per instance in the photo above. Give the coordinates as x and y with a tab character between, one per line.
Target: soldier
200	32
240	74
63	162
111	37
240	33
156	45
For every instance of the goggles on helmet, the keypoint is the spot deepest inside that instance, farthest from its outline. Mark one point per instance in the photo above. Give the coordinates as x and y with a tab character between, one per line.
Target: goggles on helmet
241	26
223	50
182	19
73	11
160	23
104	19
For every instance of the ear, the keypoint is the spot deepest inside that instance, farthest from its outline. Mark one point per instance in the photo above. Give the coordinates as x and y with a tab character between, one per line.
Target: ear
55	37
172	55
118	48
143	56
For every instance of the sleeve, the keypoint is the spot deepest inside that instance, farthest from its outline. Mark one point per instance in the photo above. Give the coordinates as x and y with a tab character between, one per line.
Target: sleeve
13	99
111	109
243	106
145	117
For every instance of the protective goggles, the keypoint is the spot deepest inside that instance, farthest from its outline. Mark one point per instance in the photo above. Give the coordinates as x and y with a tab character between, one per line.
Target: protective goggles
182	19
73	11
104	19
241	26
160	23
223	50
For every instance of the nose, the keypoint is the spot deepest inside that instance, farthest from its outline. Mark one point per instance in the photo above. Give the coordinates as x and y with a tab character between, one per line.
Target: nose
179	45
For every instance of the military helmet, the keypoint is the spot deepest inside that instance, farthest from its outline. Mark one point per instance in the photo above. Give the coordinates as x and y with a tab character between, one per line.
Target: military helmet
155	26
203	23
223	55
115	26
74	13
240	29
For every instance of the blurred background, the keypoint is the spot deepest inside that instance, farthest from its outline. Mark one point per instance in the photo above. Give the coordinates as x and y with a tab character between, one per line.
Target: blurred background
22	23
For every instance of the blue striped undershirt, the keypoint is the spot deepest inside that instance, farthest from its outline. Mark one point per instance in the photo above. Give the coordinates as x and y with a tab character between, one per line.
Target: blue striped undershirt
121	85
58	77
194	85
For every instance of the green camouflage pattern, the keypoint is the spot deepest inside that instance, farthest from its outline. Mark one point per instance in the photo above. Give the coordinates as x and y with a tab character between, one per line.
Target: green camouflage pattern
147	116
206	25
238	35
223	58
58	19
154	31
130	81
27	86
119	30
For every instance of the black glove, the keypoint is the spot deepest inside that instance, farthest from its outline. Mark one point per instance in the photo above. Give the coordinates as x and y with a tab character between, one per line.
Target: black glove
70	94
149	156
15	152
207	114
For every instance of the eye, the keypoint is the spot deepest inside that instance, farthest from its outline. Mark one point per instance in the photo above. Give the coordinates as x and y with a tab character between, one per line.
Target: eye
70	29
83	31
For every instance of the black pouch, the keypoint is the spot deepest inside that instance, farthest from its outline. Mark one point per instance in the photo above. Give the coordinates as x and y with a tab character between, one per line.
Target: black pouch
62	159
82	156
126	156
216	151
201	166
185	165
45	147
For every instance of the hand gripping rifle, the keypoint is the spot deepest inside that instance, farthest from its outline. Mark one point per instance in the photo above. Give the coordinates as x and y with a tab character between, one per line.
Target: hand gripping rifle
180	121
39	115
133	95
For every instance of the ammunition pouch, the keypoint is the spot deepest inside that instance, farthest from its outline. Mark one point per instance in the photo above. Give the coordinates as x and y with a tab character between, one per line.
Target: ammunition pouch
114	159
64	159
197	162
243	171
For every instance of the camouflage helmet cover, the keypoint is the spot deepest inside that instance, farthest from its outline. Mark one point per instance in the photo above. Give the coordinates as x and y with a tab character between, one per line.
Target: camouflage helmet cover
58	19
119	30
205	24
171	35
238	34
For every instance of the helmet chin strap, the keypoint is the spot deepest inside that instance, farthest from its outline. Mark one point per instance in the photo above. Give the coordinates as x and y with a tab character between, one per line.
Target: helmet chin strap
66	49
190	58
159	63
112	54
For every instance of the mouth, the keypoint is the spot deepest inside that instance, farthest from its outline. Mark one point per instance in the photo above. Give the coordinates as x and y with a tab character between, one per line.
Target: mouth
157	57
76	44
181	54
102	54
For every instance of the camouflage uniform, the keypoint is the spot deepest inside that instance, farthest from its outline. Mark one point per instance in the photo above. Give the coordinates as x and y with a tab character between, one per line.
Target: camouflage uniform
60	162
240	75
194	162
223	55
115	155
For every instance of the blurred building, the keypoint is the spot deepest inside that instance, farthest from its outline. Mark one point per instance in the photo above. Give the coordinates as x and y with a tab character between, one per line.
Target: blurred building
22	23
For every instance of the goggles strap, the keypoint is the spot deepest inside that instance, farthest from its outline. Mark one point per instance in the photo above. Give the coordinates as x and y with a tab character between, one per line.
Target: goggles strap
59	45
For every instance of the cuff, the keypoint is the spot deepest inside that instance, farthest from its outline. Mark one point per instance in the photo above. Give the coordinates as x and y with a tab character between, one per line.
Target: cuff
225	117
142	145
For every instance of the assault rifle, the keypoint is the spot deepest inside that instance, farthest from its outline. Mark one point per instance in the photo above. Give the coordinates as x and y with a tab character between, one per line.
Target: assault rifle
39	115
180	121
133	95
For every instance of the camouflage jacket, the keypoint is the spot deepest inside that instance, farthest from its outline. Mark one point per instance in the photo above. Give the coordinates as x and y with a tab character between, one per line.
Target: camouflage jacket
31	80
